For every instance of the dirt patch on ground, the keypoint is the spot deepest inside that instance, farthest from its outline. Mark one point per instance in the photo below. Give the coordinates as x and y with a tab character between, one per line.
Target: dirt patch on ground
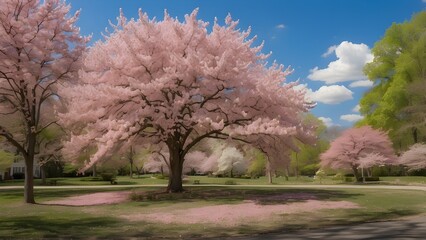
257	209
93	199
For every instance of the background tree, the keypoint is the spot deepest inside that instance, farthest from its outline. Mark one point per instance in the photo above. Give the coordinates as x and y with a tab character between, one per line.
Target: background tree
48	148
306	160
130	157
232	162
257	164
176	83
39	46
399	61
414	158
347	151
7	155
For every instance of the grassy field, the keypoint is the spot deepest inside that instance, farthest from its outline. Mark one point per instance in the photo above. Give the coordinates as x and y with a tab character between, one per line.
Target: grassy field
149	180
20	220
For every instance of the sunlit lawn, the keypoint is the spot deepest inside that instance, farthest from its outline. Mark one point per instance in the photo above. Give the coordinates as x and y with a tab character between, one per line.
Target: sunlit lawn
149	179
19	220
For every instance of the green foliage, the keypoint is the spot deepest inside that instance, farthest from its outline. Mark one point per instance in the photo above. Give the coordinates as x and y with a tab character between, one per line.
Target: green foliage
258	164
6	159
320	175
160	176
399	61
338	177
309	170
348	179
305	162
108	176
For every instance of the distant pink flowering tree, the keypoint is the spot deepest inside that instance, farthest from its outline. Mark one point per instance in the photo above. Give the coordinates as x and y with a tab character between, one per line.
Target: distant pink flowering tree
415	157
177	83
39	47
158	161
359	147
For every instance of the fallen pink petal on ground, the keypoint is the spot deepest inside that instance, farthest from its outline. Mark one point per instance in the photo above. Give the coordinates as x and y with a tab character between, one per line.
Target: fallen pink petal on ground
234	214
93	199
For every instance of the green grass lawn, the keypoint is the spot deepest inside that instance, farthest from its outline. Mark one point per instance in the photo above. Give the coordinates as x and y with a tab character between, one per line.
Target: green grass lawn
19	220
149	179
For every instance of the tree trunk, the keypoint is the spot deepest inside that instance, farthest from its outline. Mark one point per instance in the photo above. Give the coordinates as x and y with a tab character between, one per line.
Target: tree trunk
175	167
269	176
356	173
269	172
287	173
29	180
29	169
415	136
131	170
43	174
297	167
94	170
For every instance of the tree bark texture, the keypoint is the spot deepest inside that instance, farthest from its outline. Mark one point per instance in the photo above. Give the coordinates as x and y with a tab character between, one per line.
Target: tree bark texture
176	167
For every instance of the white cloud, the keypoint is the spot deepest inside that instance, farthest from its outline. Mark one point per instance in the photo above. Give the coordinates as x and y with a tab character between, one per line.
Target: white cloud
356	108
351	117
424	1
362	83
327	121
330	50
351	59
280	26
333	94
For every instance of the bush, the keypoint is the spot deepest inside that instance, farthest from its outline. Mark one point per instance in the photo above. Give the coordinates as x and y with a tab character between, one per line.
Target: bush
388	171
123	171
309	170
230	182
109	177
320	175
159	176
18	175
369	179
419	172
246	177
338	177
348	179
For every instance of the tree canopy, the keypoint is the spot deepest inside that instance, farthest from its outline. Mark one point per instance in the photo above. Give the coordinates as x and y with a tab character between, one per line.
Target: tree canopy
176	83
359	147
40	46
399	62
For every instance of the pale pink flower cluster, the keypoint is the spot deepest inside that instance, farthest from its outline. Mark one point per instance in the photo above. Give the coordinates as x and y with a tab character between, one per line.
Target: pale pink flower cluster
361	147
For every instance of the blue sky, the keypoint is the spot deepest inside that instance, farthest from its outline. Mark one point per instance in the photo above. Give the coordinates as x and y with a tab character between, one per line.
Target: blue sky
326	42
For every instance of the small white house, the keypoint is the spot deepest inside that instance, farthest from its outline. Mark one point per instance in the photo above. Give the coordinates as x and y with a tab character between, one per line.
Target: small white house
18	166
4	174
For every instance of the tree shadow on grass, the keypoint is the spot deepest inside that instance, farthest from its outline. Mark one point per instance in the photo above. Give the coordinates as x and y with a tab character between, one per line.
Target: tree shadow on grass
44	227
359	225
236	195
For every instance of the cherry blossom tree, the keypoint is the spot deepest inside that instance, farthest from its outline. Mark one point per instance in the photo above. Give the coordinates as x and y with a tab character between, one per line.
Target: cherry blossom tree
359	147
158	161
39	47
178	83
415	157
232	161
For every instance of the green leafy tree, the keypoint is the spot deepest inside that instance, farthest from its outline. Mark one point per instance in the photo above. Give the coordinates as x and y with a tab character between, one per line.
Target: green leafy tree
258	163
399	62
6	159
306	160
